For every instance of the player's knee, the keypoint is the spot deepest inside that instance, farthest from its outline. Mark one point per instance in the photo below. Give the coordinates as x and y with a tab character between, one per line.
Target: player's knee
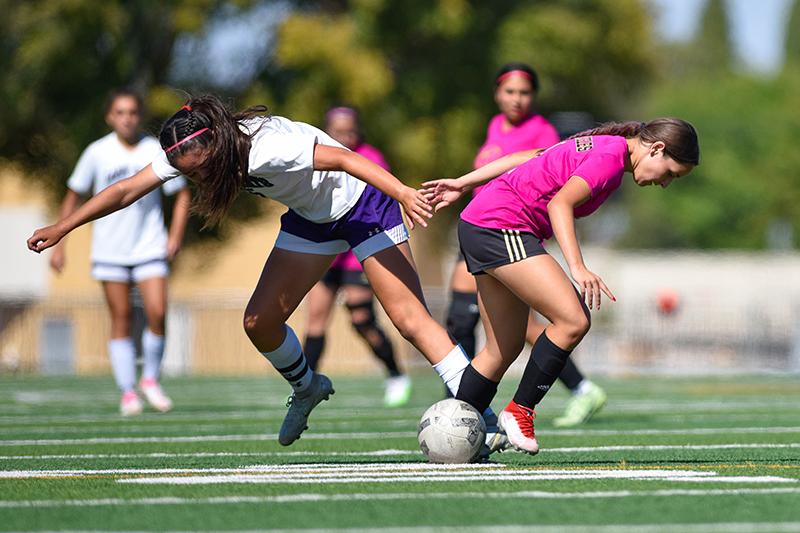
577	327
261	331
463	315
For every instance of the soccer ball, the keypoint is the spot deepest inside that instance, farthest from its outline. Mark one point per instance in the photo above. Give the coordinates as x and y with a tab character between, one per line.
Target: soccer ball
451	431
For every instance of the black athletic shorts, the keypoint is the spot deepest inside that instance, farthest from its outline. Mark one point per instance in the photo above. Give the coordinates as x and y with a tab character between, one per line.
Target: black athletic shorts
485	248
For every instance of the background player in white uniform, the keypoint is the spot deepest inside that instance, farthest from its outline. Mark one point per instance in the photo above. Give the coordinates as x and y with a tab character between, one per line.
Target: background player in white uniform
129	246
338	200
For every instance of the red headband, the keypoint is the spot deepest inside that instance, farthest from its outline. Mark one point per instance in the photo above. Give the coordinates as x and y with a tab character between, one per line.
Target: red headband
192	136
507	75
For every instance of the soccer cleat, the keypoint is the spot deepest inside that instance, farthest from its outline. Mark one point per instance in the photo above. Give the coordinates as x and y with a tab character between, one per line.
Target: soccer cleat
300	405
130	404
517	421
496	439
581	407
155	395
398	391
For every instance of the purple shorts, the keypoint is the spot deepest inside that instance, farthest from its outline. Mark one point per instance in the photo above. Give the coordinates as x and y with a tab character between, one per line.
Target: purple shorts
373	224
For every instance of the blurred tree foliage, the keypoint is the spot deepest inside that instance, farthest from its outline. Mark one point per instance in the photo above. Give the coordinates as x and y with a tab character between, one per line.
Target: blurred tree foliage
59	60
746	188
421	72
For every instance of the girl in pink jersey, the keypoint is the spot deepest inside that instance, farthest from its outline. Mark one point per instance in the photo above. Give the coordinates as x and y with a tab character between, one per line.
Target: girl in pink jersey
515	129
539	195
346	273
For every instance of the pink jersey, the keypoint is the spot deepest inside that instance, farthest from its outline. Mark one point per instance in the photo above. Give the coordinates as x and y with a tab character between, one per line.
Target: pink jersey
535	132
518	199
346	260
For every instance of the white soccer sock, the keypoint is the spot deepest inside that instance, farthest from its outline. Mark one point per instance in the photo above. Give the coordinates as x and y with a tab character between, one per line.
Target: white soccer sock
123	363
291	363
452	367
153	353
583	387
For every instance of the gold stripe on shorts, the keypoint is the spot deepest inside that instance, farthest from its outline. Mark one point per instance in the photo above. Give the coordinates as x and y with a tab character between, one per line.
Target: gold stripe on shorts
514	247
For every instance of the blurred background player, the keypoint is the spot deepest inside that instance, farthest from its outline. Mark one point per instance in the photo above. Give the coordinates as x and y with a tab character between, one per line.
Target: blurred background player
346	273
130	246
516	128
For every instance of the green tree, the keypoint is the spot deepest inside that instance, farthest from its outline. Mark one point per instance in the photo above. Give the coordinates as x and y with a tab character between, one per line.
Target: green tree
747	181
59	60
422	71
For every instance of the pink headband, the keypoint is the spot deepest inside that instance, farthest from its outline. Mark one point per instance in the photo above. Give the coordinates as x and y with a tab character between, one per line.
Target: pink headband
192	136
341	112
507	75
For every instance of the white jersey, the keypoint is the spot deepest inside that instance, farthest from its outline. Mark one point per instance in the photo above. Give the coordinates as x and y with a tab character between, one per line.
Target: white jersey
133	235
281	167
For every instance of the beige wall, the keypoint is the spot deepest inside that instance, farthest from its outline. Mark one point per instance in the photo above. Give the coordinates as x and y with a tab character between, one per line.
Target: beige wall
209	288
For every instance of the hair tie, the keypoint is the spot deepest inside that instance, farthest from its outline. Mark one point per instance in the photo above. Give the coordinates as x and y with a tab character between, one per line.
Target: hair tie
341	112
192	136
186	107
507	75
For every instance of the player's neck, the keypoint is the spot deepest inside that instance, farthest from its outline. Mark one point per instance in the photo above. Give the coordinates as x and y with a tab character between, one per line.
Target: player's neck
129	143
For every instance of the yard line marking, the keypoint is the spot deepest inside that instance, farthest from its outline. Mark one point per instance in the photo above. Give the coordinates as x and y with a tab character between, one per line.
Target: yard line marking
398	434
389	452
313	497
378	473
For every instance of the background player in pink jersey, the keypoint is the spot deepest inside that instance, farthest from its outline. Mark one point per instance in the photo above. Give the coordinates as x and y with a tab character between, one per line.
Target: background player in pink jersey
346	273
537	196
516	128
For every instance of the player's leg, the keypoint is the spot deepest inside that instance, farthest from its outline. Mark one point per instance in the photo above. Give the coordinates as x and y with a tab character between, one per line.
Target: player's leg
152	281
121	348
286	278
393	277
586	397
319	304
543	285
359	301
463	314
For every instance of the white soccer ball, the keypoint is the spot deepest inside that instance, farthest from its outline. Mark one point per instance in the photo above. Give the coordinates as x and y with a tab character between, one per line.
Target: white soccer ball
451	431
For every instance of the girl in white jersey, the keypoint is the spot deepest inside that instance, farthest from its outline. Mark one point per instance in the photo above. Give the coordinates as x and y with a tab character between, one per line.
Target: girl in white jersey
338	200
130	246
539	196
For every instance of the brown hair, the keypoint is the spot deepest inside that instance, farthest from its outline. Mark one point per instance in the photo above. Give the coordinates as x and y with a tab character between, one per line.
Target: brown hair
228	150
679	137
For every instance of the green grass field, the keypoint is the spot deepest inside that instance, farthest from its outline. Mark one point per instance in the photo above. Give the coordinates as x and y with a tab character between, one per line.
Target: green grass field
665	454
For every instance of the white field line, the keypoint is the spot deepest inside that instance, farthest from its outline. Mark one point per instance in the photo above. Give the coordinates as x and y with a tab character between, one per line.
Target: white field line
398	434
312	497
378	453
378	473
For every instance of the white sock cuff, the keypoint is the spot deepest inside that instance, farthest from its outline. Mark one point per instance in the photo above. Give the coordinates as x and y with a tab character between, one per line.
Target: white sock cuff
287	353
452	367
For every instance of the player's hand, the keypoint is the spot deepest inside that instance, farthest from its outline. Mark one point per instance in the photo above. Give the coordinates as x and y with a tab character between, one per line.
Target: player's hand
58	259
590	286
416	208
44	238
443	192
174	247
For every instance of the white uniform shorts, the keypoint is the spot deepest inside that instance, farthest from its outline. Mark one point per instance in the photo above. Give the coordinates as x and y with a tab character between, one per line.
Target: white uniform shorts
157	268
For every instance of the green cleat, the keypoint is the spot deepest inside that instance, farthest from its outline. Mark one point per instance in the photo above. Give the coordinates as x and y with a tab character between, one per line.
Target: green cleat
581	407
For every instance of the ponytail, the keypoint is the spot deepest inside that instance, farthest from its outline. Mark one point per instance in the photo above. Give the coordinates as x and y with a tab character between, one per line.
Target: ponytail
679	137
226	145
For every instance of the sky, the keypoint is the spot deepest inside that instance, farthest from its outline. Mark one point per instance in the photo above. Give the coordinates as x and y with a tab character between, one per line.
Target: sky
758	28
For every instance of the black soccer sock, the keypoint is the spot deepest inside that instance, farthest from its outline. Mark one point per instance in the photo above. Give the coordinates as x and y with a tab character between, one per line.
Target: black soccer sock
476	390
545	364
313	350
571	376
462	318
